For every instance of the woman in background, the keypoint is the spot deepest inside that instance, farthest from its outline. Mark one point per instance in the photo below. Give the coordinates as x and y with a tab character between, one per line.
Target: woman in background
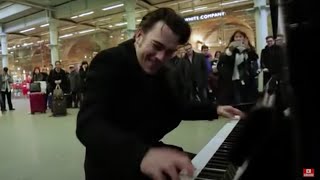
237	71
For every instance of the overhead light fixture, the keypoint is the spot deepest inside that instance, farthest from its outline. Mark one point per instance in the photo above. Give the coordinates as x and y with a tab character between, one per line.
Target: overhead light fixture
121	24
63	29
110	26
186	11
112	7
27	30
139	20
27	44
66	35
104	19
232	2
74	17
86	14
200	8
44	33
44	25
86	31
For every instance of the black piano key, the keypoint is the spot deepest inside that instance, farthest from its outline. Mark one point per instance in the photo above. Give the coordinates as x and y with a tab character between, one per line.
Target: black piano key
199	178
217	166
212	173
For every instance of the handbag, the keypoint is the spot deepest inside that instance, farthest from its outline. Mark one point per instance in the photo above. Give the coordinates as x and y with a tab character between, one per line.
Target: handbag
58	93
35	87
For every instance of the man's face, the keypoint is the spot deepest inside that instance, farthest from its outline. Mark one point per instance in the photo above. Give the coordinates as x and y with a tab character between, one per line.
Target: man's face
155	47
205	51
188	49
181	52
58	65
280	41
270	42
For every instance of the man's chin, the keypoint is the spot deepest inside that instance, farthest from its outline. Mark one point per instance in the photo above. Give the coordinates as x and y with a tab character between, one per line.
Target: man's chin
150	71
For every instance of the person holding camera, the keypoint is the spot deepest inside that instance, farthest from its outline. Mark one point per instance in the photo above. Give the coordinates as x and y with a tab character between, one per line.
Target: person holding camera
237	71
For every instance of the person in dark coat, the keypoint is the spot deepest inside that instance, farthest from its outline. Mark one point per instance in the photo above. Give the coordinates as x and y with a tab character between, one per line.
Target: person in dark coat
122	131
58	76
196	74
83	79
74	79
238	69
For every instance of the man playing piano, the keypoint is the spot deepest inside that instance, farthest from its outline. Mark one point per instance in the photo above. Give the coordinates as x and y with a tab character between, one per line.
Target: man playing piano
131	103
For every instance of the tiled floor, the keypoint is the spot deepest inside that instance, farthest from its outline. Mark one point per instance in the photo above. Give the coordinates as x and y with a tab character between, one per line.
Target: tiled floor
40	147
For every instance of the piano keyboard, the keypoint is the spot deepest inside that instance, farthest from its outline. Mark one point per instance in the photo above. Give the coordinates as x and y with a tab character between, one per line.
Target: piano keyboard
211	162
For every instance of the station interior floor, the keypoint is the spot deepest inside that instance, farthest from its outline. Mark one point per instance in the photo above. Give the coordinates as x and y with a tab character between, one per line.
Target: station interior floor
41	147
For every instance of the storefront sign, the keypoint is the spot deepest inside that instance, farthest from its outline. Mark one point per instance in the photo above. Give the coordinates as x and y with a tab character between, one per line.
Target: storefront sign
205	16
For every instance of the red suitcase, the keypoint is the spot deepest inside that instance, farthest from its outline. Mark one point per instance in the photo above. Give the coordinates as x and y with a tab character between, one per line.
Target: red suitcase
37	102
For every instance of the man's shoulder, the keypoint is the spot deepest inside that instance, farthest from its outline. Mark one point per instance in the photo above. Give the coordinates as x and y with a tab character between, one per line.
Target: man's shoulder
113	55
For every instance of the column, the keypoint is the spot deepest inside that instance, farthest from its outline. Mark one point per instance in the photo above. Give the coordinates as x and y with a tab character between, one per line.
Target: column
53	29
261	19
130	6
4	47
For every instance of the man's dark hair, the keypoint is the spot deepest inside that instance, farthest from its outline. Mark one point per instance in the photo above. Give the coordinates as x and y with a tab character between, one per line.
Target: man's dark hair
268	37
57	62
204	47
5	69
175	22
187	44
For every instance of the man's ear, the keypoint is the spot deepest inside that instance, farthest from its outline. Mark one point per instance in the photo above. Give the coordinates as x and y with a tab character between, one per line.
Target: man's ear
138	36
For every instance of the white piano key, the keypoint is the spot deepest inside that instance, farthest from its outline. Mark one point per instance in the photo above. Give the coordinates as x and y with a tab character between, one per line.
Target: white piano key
206	153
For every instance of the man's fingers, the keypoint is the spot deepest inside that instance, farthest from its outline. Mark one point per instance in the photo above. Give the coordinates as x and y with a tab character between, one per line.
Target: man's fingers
172	172
158	175
186	166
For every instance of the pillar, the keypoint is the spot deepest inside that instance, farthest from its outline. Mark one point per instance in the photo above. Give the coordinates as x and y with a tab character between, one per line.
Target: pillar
261	21
53	30
4	47
130	6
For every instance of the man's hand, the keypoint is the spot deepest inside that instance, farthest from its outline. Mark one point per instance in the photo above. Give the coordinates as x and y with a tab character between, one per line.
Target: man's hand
229	112
160	163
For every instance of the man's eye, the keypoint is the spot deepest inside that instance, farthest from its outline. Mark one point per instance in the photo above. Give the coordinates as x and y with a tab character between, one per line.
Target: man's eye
157	47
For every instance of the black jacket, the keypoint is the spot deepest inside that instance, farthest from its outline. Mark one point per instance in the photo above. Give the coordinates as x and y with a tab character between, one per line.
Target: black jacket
247	72
196	75
54	75
125	112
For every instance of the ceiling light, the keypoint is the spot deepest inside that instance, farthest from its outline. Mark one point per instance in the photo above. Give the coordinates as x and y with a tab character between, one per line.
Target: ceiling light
104	19
232	2
86	31
139	20
86	14
121	24
31	29
44	25
63	29
200	8
73	17
185	11
44	33
112	7
66	35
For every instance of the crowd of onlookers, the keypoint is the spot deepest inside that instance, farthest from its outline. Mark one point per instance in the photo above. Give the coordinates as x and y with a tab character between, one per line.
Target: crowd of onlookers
72	82
230	76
